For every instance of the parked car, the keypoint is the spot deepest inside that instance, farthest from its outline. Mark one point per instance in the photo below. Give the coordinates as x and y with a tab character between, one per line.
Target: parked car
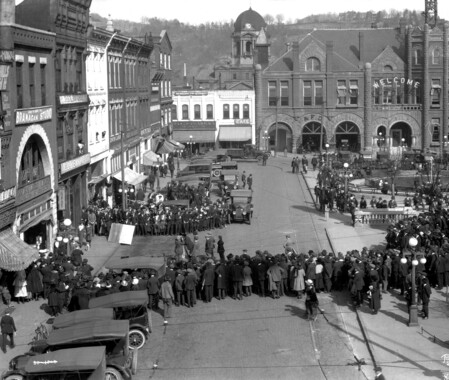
129	306
79	317
241	206
229	180
113	335
83	363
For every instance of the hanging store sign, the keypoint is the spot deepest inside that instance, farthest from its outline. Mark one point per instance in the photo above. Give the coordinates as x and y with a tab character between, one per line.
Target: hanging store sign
33	115
75	163
397	81
73	99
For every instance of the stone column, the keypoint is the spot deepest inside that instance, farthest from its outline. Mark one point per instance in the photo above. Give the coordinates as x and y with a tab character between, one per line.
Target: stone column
368	108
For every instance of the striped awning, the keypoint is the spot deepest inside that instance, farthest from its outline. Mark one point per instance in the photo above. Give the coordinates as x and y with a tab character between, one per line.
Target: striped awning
234	133
15	254
165	147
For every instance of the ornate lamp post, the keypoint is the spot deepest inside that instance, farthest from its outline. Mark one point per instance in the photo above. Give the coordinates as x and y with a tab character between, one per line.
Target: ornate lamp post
327	154
381	141
346	175
266	138
413	312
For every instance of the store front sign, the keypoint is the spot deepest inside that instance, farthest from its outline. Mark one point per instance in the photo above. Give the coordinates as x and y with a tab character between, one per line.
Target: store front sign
72	99
397	81
33	115
75	163
33	190
242	121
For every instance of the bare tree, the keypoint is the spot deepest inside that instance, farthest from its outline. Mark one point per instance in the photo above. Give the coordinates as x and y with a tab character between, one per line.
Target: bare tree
280	19
269	19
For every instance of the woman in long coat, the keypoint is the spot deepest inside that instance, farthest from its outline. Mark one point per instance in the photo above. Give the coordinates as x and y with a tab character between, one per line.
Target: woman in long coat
20	287
34	283
247	279
298	283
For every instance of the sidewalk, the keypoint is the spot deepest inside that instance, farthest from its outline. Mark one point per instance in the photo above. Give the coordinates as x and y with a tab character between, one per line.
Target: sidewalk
403	352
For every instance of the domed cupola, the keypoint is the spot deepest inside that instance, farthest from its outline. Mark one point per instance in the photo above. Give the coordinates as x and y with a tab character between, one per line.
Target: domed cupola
249	20
248	27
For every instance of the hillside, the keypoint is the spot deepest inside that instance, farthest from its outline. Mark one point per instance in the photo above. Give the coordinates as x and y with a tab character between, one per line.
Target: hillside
202	46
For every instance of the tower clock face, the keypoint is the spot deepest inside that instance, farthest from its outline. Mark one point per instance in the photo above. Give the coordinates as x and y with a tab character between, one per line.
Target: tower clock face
248	26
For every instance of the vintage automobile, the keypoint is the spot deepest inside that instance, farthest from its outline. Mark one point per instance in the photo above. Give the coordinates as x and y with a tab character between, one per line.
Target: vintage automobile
83	363
229	180
113	335
129	306
79	317
241	206
199	167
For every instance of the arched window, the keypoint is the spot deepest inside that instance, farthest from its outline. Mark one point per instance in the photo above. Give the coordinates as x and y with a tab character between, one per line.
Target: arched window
236	111
248	47
197	112
435	130
31	165
313	64
210	111
417	57
436	56
246	111
225	111
388	68
185	112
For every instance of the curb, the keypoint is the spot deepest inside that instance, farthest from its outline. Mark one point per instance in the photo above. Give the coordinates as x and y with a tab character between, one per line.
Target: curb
368	344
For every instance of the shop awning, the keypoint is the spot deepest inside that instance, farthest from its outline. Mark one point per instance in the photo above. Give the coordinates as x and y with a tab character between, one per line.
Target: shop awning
15	254
98	179
150	158
165	147
234	133
207	136
131	177
177	145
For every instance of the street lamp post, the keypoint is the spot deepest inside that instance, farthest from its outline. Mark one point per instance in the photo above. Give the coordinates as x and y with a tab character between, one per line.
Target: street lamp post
266	137
276	146
413	311
191	145
347	175
327	155
381	141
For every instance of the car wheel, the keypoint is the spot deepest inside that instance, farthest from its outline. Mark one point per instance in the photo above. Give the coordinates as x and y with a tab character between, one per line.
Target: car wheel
112	374
14	377
136	339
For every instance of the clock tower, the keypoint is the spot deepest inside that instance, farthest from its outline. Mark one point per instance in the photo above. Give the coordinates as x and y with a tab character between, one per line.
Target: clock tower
249	40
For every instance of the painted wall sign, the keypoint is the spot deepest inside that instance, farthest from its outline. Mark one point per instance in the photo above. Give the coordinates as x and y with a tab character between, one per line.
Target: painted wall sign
397	81
33	115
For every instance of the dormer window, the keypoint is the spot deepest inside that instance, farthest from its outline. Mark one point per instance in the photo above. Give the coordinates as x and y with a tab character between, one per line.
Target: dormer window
313	64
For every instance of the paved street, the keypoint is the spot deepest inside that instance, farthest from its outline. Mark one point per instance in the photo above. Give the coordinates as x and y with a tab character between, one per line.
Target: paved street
264	338
258	338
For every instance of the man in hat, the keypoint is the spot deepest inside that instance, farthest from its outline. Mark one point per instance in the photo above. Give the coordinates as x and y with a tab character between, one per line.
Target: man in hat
311	300
425	292
8	328
167	296
210	245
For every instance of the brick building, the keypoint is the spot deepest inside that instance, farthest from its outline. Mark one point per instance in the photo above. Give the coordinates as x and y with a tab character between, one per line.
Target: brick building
28	140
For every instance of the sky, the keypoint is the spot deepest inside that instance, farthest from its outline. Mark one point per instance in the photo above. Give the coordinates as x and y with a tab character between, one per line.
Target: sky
202	11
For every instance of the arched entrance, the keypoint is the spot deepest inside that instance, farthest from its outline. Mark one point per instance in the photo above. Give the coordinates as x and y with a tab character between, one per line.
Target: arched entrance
401	135
347	136
285	137
312	134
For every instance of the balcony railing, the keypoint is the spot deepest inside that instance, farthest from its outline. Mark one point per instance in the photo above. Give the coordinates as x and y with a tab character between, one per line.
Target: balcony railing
384	216
7	194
